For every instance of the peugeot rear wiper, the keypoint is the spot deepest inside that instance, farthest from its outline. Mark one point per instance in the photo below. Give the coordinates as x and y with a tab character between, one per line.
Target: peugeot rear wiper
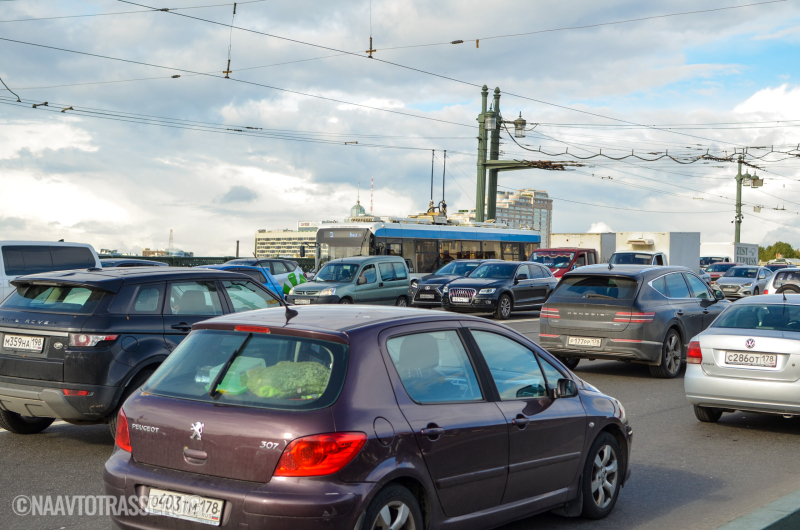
212	390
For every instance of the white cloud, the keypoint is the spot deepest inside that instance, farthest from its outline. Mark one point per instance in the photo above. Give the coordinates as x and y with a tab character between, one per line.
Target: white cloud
598	228
777	102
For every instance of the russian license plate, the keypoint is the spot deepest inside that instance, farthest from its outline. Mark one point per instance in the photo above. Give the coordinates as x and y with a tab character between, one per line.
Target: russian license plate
582	341
301	301
751	359
427	296
460	300
20	342
184	506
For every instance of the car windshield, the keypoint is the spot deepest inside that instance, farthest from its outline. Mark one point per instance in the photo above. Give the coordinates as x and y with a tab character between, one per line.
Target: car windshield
776	317
553	258
709	261
337	272
495	271
631	258
599	287
719	267
457	268
54	299
269	371
742	272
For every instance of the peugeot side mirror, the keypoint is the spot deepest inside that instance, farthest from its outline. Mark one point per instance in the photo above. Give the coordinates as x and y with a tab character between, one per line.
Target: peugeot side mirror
565	388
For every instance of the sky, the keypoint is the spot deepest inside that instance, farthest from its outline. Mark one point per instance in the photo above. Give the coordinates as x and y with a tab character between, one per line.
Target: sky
142	152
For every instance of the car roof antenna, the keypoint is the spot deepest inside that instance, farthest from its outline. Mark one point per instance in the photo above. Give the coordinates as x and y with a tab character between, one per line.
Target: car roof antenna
784	295
290	314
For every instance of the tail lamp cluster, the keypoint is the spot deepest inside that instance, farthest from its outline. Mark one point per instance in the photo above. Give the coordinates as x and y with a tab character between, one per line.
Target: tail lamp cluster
549	312
309	456
87	340
634	317
693	353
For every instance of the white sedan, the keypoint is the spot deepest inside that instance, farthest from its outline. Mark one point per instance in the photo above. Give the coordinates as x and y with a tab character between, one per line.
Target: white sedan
747	360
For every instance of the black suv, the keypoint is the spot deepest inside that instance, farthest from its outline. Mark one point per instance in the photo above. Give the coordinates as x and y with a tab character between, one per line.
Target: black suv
427	291
75	344
500	287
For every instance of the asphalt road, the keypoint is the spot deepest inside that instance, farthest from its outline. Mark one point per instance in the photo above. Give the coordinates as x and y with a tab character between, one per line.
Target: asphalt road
686	475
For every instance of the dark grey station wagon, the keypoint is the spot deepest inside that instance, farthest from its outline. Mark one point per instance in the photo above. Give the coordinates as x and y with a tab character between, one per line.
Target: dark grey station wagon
632	313
364	417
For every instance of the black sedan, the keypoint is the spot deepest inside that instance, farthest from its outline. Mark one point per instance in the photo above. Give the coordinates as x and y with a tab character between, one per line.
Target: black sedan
631	313
427	291
500	287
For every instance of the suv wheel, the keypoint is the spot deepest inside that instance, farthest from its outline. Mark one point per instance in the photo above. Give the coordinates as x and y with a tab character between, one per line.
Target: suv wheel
503	310
602	477
707	414
570	362
19	424
671	354
394	508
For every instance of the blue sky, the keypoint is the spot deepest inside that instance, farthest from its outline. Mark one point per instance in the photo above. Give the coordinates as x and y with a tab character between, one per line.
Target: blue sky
124	185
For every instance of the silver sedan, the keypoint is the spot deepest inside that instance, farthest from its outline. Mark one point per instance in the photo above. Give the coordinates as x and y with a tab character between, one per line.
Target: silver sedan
749	359
744	280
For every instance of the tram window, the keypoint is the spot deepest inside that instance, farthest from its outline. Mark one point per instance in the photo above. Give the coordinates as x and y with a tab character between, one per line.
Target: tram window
427	254
471	250
511	252
448	251
491	250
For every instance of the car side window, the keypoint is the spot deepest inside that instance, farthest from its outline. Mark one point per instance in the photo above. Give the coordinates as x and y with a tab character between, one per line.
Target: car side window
698	288
246	296
387	272
591	259
660	285
256	275
514	368
278	267
193	298
368	272
534	272
762	275
676	287
523	273
400	271
581	260
552	373
147	300
659	260
434	367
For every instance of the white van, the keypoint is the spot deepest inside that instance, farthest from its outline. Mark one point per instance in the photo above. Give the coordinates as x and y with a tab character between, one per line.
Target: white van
18	258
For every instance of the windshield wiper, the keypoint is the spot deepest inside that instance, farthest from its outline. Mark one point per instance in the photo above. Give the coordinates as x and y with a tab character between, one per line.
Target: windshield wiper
212	391
595	295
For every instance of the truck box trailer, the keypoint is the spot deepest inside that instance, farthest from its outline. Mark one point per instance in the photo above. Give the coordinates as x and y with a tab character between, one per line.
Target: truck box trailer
680	248
746	253
603	243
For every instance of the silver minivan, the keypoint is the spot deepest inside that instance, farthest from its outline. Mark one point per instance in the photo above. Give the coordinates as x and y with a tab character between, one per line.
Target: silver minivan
380	280
19	258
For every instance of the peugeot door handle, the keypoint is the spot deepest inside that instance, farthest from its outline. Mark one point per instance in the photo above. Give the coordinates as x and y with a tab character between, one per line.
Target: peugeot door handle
432	432
380	284
183	326
706	311
679	312
520	422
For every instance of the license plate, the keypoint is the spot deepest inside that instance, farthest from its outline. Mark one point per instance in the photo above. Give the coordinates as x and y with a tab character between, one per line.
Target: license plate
769	360
428	296
460	299
20	342
582	341
184	506
302	302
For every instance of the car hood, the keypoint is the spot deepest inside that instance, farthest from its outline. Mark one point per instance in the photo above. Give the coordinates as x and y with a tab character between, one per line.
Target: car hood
437	280
476	283
318	286
735	281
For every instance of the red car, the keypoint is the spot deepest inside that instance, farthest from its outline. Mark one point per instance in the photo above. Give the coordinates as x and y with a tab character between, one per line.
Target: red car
718	270
561	260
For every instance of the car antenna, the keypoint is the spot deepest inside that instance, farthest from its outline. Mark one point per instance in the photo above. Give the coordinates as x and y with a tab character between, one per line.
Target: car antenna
784	295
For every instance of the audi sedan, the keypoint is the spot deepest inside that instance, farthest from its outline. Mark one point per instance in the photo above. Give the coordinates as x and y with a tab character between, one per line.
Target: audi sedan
748	360
331	417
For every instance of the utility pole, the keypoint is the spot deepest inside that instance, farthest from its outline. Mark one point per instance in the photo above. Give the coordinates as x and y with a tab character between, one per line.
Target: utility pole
494	154
738	219
480	194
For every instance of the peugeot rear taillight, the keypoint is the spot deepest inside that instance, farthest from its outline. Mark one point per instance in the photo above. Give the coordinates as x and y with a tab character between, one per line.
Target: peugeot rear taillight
693	353
320	454
123	436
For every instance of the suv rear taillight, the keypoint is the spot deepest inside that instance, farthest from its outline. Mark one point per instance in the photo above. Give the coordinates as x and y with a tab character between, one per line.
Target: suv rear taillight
549	312
87	340
320	454
634	318
123	436
693	353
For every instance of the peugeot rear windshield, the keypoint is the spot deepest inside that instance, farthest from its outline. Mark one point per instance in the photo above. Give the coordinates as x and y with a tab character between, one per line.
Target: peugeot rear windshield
54	299
574	288
268	371
783	317
555	259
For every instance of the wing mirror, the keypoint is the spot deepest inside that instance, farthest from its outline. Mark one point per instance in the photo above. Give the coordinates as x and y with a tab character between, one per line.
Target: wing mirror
565	388
361	280
718	295
520	277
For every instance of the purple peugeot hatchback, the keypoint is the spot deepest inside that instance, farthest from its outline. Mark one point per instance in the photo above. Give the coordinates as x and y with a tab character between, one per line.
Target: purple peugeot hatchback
363	418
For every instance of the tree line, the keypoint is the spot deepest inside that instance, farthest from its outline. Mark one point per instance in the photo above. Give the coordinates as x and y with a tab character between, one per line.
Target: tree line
771	252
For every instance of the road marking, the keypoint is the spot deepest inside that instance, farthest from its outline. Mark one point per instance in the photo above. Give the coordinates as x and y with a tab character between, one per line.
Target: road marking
524	320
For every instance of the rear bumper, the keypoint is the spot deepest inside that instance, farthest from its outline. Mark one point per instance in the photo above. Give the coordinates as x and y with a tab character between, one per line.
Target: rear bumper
290	504
50	402
777	397
614	349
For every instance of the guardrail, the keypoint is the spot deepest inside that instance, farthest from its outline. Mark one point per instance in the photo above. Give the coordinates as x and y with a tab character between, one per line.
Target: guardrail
173	261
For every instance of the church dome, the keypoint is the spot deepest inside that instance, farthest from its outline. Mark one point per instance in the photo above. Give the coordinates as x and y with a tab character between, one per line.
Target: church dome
357	210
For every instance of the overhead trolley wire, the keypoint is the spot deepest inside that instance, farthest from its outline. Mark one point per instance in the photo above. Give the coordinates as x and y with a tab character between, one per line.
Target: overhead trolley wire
151	10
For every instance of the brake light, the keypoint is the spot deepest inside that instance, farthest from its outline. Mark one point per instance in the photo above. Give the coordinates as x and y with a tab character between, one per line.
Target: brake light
766	291
634	317
86	340
549	312
123	436
252	329
69	392
693	353
320	454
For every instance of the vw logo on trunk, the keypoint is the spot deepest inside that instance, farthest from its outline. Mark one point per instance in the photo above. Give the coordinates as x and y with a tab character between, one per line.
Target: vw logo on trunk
750	343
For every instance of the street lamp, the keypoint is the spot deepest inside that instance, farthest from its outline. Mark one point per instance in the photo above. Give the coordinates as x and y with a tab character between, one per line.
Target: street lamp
519	127
491	121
